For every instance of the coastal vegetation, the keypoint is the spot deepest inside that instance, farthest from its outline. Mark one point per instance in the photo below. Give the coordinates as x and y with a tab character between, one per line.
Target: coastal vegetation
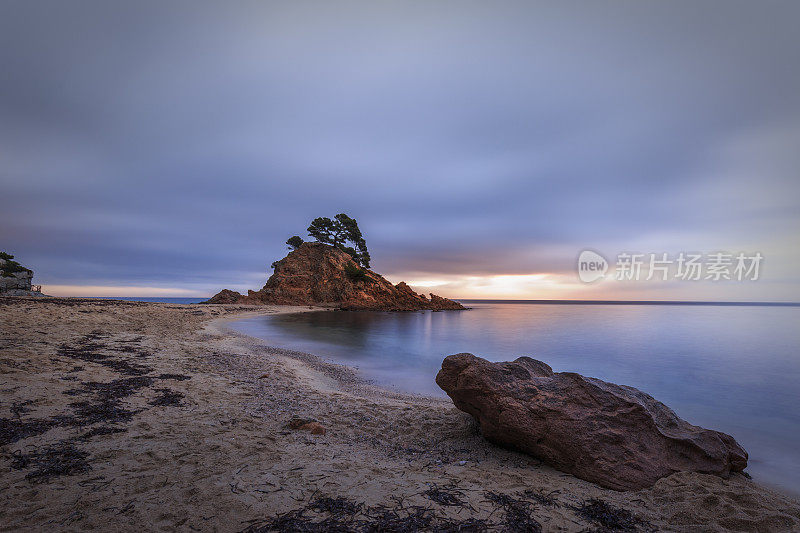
294	242
338	232
355	273
9	267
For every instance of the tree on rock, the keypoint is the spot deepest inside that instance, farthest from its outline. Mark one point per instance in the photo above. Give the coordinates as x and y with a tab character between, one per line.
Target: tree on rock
294	242
339	232
9	267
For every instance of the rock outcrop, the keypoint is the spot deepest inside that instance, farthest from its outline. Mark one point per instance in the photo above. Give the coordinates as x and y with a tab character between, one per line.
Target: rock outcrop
321	275
612	435
15	280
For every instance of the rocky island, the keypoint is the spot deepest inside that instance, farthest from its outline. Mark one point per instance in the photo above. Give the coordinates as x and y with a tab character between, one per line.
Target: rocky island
321	275
327	273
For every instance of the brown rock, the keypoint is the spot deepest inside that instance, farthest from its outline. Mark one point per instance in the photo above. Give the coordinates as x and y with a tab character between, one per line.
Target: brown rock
317	274
306	424
612	435
225	296
314	427
297	422
442	304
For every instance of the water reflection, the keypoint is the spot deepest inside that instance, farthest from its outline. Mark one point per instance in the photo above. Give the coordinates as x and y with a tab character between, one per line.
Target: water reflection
730	368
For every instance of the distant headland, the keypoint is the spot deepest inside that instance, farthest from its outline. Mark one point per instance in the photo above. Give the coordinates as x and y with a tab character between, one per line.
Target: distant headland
15	279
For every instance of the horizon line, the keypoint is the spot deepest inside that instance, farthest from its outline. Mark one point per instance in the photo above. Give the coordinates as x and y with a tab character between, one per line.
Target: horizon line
630	302
520	301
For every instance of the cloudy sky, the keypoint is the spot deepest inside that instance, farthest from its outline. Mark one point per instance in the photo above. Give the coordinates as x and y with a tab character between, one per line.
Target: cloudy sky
170	148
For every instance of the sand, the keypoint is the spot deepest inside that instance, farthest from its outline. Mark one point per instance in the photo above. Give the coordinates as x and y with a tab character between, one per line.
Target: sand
191	435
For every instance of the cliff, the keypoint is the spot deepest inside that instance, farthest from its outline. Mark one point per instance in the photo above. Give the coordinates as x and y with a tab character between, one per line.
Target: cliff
321	275
15	280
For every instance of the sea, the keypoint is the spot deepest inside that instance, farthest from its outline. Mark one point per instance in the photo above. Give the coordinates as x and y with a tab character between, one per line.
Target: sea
733	368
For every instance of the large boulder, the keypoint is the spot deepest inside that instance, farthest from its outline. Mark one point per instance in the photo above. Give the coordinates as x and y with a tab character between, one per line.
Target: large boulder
613	435
322	275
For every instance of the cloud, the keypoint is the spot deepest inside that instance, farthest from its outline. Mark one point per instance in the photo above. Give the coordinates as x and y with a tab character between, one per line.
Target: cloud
181	143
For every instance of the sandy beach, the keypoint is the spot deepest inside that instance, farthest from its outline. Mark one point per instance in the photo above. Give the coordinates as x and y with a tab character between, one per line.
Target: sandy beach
131	416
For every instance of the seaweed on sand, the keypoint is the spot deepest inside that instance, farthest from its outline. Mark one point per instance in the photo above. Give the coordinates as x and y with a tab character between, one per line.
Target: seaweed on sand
20	408
118	388
106	408
470	525
341	518
62	459
168	397
124	367
87	349
102	430
87	413
326	514
445	495
335	506
176	377
72	302
607	516
297	521
517	512
398	519
541	498
13	430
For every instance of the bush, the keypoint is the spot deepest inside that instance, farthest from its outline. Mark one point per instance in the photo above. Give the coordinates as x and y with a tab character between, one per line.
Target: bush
355	273
294	242
10	267
338	232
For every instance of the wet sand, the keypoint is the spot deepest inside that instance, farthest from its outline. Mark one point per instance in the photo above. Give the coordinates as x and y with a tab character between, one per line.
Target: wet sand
127	416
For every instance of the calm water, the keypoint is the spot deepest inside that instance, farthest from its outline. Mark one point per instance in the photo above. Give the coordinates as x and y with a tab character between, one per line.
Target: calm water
735	369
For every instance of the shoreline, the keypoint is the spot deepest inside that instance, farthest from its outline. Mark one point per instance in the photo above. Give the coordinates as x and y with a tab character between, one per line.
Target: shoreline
346	376
214	451
352	375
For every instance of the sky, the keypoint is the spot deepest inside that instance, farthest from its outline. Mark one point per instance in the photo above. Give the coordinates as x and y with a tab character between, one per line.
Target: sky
170	148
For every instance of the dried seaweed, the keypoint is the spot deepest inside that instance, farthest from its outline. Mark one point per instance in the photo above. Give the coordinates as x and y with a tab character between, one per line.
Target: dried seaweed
118	388
63	459
168	397
607	516
470	525
335	506
13	430
129	369
341	515
447	495
87	413
73	302
398	520
176	377
99	431
517	512
541	498
86	349
21	408
297	522
125	348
